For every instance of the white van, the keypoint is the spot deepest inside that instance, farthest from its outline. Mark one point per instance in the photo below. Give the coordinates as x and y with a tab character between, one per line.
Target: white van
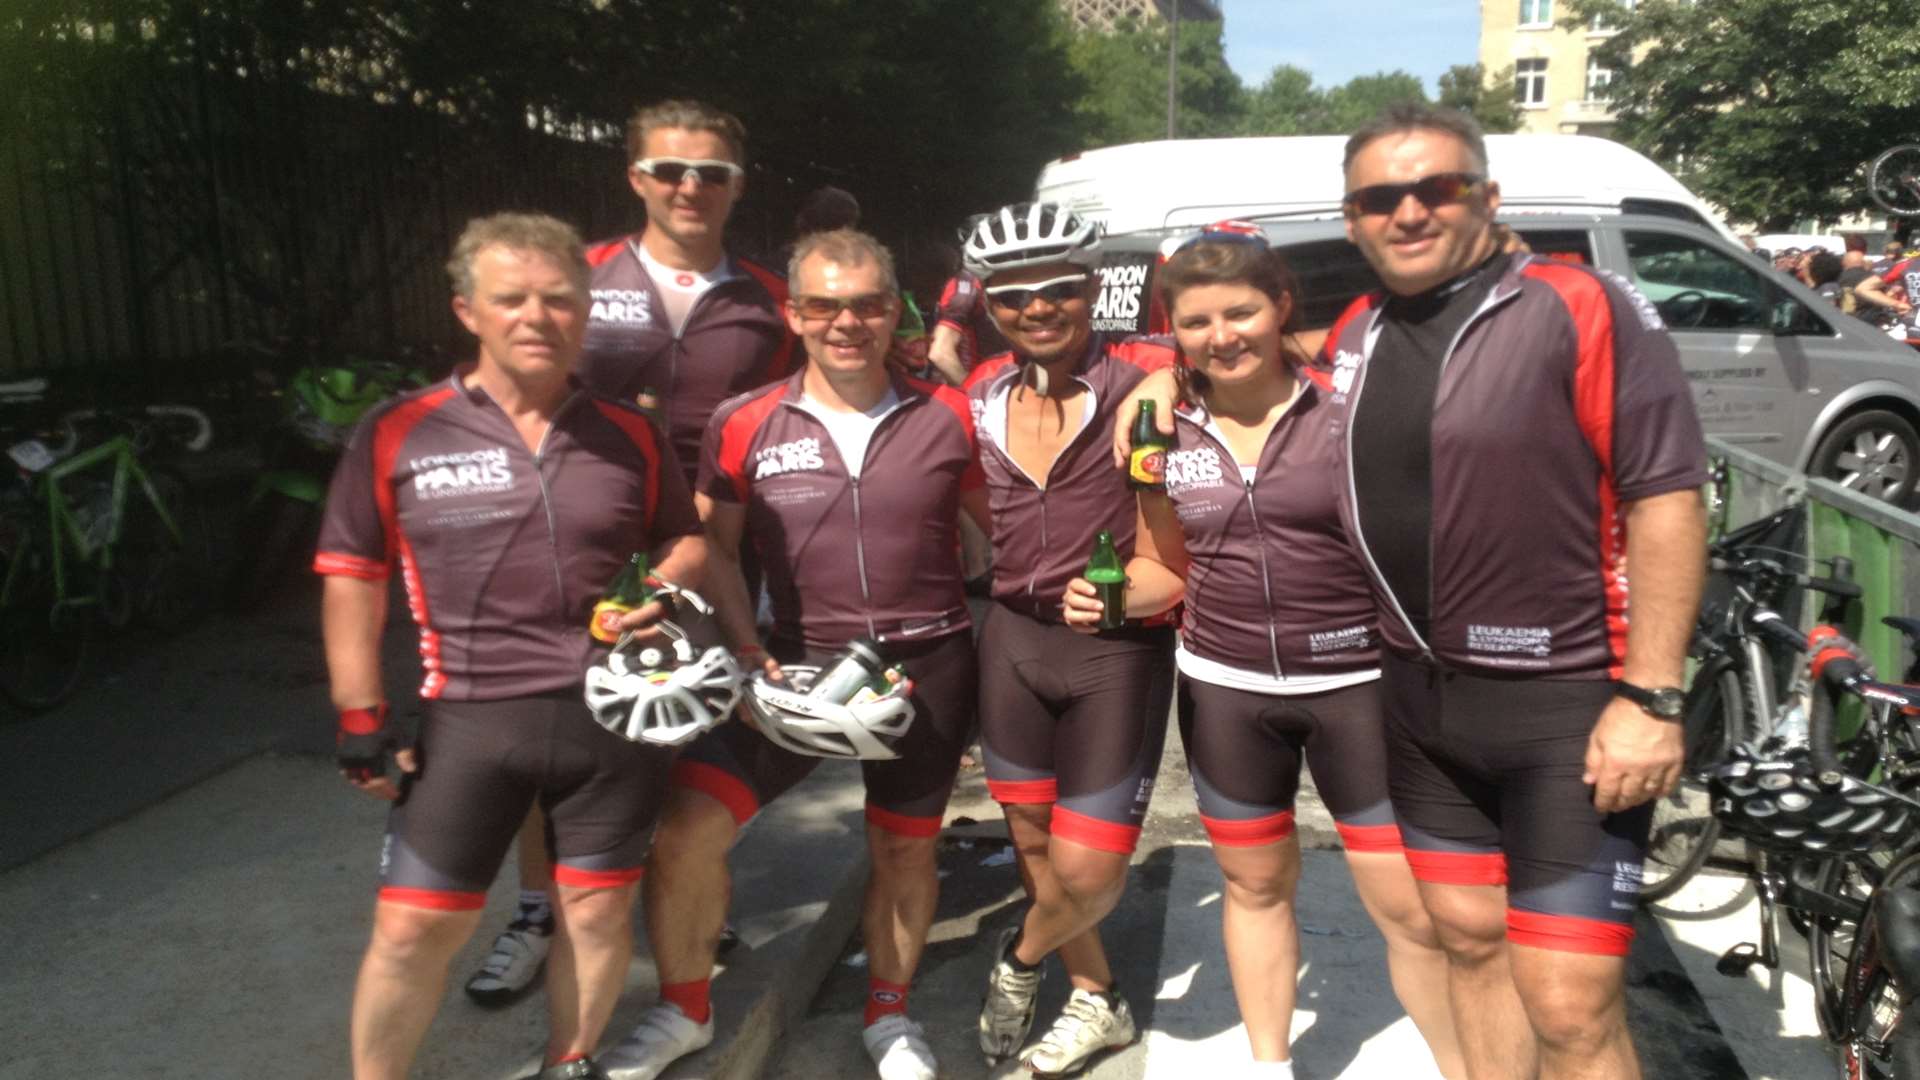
1182	183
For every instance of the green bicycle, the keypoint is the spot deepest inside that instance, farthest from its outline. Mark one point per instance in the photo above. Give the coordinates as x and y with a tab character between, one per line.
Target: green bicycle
94	535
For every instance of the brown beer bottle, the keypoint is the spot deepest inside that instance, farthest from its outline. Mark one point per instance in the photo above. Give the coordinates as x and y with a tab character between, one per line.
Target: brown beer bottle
1147	465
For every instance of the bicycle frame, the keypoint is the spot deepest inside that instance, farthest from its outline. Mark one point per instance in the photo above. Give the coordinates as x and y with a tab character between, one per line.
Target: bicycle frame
64	528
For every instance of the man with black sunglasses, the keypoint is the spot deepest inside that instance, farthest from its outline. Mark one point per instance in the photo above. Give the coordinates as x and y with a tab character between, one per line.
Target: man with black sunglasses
1521	444
1071	724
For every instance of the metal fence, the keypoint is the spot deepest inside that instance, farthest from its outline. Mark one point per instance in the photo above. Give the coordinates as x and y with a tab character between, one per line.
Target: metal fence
149	230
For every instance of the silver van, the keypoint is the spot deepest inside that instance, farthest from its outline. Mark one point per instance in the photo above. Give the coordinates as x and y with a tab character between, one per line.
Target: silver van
1773	366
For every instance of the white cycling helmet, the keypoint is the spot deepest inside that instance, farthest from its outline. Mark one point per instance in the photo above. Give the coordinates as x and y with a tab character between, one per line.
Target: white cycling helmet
868	730
663	696
1030	234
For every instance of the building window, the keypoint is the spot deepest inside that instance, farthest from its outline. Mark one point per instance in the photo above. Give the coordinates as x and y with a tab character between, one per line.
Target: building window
1536	12
1603	22
1530	83
1598	78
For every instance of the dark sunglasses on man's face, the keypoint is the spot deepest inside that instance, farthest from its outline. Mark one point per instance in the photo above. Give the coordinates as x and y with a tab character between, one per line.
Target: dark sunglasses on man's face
671	171
1435	191
1055	292
828	308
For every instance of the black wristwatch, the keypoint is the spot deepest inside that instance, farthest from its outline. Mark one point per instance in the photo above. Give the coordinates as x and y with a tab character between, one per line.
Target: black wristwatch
1661	702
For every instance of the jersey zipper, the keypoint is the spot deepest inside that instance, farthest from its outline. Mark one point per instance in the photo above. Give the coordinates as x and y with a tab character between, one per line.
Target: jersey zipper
546	503
1266	579
1034	578
853	483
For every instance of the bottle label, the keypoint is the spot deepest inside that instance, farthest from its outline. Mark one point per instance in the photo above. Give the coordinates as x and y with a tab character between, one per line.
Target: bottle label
1147	465
605	624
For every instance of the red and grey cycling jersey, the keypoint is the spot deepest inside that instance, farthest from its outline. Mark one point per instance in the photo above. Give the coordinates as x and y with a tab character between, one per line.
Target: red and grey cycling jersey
735	339
1905	275
503	550
1272	585
1043	532
874	556
1560	399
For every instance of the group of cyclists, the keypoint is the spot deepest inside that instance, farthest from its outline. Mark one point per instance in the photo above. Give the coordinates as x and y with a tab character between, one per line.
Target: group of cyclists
1396	550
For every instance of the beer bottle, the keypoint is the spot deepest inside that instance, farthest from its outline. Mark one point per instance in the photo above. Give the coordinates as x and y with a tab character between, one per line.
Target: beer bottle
1147	466
627	590
1109	580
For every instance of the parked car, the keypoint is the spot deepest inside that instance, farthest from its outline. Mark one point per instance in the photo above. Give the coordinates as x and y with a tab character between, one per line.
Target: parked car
1774	368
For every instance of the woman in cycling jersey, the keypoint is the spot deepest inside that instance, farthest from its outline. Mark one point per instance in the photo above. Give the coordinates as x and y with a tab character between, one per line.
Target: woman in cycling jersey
1278	659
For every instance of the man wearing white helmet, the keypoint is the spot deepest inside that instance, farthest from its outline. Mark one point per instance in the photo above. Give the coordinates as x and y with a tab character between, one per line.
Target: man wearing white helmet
1071	724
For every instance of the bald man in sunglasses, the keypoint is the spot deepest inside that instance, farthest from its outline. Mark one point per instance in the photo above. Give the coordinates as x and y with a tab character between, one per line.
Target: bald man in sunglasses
1521	444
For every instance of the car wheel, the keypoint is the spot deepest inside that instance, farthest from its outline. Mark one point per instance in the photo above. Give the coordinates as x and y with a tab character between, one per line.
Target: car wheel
1876	453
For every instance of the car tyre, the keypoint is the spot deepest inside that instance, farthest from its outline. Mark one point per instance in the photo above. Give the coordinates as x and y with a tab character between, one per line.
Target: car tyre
1875	452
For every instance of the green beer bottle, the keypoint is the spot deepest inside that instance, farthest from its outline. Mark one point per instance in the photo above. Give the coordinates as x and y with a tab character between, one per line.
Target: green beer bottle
627	590
1147	465
1109	580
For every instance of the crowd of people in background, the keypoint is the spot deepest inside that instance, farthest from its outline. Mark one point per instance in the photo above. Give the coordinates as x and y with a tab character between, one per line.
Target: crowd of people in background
1879	290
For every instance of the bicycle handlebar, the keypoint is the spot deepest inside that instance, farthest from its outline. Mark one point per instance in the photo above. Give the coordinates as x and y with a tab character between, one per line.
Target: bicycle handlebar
201	438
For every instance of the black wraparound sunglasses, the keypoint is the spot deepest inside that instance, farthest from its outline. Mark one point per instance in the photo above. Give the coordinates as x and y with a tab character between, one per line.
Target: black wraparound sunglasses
1434	191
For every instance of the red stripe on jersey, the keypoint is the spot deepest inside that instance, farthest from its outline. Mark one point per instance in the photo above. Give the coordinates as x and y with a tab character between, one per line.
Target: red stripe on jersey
902	824
737	431
642	434
1025	792
435	899
1360	306
1384	838
1318	376
781	363
956	402
729	790
1147	354
389	432
987	369
1093	832
596	879
1568	933
1593	397
600	254
1458	867
339	562
1250	832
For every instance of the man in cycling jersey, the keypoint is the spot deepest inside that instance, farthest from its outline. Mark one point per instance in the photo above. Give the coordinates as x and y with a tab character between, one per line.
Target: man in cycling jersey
508	496
1521	444
1072	725
677	319
847	480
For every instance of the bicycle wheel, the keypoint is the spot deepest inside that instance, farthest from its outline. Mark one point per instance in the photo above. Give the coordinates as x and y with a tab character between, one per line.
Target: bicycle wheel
43	645
1830	941
1871	1001
169	571
1894	180
1684	828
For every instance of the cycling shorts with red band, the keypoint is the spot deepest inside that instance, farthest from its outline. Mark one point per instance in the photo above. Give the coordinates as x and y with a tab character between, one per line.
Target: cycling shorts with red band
1075	720
1244	750
1486	784
483	764
745	771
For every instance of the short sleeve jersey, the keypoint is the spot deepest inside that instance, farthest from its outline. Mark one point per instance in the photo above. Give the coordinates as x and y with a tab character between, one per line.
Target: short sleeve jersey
503	550
873	557
1561	399
1043	528
735	339
1905	275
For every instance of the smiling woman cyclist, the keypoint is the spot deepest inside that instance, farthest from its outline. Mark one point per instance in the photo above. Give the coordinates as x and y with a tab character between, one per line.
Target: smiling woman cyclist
1278	660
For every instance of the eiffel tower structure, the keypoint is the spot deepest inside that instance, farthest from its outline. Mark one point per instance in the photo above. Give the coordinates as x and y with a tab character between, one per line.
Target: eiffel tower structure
1104	15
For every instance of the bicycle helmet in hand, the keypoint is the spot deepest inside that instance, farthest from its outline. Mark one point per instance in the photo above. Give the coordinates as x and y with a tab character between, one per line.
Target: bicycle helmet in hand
663	696
868	728
1030	234
1778	801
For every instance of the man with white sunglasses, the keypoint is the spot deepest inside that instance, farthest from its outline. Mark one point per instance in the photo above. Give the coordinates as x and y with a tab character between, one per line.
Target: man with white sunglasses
678	326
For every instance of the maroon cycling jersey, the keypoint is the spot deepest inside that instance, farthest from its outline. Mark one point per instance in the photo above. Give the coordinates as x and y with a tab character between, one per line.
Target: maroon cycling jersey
1272	585
1043	529
503	550
735	339
873	557
1560	399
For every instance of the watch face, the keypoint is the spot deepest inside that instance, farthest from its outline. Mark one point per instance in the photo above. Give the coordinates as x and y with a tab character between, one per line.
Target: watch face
1667	703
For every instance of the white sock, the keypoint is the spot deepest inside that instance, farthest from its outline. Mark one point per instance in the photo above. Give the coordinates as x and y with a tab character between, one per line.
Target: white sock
535	907
1270	1070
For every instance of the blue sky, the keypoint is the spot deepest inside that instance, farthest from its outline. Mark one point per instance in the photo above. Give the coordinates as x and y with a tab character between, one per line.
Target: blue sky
1338	39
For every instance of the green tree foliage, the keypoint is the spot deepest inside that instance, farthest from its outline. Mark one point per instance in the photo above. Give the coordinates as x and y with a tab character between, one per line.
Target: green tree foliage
1286	104
1365	96
1490	100
1769	108
1125	74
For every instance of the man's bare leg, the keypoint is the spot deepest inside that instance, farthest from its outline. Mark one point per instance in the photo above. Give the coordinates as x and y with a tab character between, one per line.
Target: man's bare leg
402	979
687	885
1073	887
593	944
1495	1036
1577	1005
1416	965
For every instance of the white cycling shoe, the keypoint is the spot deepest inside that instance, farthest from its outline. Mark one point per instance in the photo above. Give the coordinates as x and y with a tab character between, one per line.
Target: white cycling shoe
1089	1024
515	962
663	1036
899	1049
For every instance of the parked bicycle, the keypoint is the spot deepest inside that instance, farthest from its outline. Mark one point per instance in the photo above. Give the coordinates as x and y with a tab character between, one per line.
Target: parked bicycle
94	534
1743	690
